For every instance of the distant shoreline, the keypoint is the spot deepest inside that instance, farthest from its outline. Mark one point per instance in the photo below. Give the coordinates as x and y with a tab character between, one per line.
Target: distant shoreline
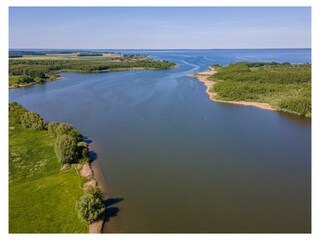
148	49
33	83
103	71
203	77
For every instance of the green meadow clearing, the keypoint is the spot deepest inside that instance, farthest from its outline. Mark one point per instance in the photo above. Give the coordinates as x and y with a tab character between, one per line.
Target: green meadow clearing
41	197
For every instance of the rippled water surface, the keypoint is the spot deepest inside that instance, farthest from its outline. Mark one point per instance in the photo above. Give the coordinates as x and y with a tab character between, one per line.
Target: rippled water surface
173	160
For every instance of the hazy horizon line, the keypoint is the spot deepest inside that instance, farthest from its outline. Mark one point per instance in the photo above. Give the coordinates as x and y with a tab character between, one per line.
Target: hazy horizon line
153	49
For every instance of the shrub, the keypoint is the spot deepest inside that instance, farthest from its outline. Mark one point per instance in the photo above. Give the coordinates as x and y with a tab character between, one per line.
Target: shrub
66	149
52	128
16	111
85	155
76	135
33	120
63	128
39	79
299	104
90	207
84	152
82	144
25	79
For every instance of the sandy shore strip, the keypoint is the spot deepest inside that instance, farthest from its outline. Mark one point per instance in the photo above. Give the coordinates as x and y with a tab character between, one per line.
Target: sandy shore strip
203	77
91	172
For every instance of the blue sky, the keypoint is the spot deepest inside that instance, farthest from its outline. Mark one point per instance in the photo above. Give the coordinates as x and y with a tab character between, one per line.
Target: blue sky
159	28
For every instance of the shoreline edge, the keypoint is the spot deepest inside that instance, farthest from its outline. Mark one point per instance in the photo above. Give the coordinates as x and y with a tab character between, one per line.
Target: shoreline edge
204	78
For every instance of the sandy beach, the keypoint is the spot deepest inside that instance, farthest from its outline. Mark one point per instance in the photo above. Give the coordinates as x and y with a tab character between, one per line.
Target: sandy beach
203	77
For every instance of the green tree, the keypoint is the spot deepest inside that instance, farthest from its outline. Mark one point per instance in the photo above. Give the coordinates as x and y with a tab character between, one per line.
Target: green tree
84	152
90	207
33	120
63	128
38	79
52	128
16	111
26	79
76	135
66	149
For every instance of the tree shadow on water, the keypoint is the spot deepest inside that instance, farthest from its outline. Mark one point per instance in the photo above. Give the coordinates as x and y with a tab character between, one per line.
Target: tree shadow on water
111	211
93	155
87	140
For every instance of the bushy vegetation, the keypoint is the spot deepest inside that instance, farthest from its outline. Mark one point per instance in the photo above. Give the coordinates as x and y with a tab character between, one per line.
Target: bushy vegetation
18	114
285	86
63	128
69	146
91	206
300	104
76	135
52	128
33	120
66	149
16	111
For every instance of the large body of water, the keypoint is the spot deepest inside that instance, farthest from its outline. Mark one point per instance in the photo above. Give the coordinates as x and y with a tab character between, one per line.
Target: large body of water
179	162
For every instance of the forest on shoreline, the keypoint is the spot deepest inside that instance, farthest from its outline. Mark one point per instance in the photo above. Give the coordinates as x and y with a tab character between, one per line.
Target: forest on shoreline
42	67
286	87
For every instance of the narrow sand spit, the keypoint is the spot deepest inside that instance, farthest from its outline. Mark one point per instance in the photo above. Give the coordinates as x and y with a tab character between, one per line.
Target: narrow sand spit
203	77
88	172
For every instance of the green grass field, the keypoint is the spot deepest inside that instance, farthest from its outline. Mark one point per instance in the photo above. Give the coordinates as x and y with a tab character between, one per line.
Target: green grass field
41	198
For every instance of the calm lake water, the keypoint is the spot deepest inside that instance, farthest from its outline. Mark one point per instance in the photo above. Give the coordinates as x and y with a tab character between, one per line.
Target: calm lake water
176	162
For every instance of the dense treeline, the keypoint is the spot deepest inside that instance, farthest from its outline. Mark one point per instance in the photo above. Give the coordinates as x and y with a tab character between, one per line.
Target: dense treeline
285	86
69	144
83	54
37	70
134	56
16	53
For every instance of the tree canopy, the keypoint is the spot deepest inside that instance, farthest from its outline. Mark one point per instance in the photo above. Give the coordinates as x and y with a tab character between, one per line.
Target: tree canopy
285	86
66	149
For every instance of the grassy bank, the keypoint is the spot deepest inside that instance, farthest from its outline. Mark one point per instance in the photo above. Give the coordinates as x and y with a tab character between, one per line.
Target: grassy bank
285	87
41	198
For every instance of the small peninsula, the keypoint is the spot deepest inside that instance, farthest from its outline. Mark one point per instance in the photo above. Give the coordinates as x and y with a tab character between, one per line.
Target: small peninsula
31	67
271	86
